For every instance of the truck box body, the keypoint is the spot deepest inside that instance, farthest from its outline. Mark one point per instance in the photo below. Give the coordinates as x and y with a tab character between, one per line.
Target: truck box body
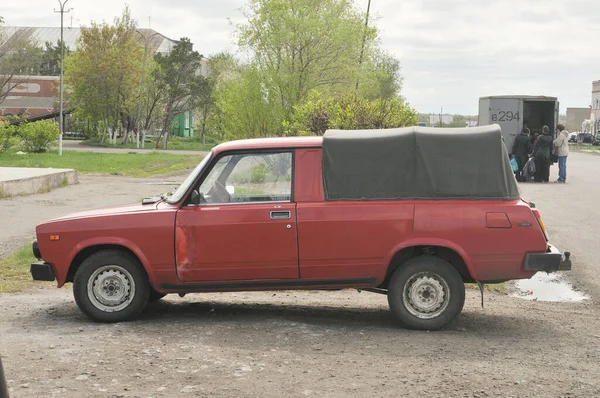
513	112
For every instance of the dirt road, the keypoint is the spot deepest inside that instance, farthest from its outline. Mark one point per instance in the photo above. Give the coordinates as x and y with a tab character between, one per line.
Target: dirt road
322	344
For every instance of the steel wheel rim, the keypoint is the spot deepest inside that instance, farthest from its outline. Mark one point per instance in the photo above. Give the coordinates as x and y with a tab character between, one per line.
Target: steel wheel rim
111	288
426	295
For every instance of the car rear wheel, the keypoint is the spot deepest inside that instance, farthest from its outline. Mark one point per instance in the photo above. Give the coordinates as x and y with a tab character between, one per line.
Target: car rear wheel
426	293
111	286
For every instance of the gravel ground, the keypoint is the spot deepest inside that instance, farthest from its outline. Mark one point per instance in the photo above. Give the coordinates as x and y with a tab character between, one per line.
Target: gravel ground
335	344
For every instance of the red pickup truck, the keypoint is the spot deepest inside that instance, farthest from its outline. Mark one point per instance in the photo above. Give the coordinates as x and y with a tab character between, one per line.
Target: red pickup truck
413	213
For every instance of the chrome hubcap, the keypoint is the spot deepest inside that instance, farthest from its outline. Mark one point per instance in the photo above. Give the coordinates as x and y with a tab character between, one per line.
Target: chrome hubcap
426	295
111	288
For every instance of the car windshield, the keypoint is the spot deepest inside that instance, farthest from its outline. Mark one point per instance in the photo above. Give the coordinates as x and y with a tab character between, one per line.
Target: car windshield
185	185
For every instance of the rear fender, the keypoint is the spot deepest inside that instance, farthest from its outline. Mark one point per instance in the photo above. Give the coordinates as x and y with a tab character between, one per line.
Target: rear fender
432	242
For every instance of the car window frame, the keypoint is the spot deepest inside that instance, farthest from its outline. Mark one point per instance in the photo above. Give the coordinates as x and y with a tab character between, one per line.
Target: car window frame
205	173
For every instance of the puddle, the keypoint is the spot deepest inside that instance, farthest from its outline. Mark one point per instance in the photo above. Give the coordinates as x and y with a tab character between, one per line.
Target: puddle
547	287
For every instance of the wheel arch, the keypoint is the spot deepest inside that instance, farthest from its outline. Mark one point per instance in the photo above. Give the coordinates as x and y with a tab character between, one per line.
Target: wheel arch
448	252
86	249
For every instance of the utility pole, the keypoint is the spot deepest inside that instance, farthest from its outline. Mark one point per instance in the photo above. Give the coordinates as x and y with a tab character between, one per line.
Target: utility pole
139	108
62	61
362	49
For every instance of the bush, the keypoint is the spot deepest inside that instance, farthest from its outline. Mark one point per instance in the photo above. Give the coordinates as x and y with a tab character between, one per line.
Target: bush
7	136
258	174
38	136
317	114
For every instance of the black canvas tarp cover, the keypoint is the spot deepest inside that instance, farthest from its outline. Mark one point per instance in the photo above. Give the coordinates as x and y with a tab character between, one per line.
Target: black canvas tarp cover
417	163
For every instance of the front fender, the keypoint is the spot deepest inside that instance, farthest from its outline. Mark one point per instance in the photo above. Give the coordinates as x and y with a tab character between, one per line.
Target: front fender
61	274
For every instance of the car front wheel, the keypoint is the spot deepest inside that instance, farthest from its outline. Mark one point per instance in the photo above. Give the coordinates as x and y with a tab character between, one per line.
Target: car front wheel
426	293
111	286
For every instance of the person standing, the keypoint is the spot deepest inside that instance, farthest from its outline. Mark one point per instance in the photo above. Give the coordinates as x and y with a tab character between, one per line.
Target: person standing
541	155
520	150
561	145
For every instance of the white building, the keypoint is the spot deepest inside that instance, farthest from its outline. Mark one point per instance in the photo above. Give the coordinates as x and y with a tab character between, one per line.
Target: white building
434	120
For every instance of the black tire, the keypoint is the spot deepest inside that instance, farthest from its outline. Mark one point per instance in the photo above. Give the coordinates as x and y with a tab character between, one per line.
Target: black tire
154	295
3	384
125	292
424	277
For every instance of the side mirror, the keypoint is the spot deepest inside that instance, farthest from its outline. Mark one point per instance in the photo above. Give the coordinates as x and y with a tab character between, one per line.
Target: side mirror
230	189
195	198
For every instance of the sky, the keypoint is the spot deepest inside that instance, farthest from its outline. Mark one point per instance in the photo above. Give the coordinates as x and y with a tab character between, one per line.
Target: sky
452	51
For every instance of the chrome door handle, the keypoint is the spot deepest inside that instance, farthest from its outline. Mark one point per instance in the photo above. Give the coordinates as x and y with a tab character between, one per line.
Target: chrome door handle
281	215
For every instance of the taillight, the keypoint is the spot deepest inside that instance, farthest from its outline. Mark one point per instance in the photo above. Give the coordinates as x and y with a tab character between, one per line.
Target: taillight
538	217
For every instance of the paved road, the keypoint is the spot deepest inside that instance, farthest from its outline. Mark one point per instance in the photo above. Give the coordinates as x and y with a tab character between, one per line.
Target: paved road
570	211
75	145
23	213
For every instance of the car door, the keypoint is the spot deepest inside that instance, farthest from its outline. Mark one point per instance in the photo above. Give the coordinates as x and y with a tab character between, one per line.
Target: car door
242	225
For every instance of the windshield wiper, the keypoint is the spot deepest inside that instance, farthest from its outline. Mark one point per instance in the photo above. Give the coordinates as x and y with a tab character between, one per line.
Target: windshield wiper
157	198
151	200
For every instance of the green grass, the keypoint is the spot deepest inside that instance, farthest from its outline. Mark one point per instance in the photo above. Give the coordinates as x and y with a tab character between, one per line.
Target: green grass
174	144
127	164
586	148
249	191
14	272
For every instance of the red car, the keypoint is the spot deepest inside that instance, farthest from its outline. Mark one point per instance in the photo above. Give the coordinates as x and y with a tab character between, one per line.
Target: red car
413	213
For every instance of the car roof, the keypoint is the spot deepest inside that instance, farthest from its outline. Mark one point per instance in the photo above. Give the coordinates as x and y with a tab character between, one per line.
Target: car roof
269	143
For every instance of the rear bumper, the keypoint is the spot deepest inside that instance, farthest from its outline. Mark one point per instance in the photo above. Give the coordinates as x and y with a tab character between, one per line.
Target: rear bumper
552	260
42	271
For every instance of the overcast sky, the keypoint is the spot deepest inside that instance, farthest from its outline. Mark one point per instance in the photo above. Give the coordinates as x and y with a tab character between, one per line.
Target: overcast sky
452	51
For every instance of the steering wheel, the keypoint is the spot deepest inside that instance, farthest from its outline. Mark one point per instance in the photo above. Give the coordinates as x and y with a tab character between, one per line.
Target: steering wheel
220	192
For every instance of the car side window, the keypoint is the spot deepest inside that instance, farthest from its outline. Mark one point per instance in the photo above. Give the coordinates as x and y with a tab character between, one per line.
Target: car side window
249	178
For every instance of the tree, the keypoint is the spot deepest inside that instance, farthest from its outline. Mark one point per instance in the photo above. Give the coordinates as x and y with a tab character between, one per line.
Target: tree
458	121
319	114
302	45
246	108
104	73
221	68
179	76
152	97
50	61
19	56
381	76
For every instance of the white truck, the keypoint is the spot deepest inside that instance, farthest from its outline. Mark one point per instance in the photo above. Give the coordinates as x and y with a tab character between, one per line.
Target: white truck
513	112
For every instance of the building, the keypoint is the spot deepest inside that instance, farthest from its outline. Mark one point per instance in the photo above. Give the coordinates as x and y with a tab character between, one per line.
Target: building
576	117
472	121
38	95
33	95
434	120
158	43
